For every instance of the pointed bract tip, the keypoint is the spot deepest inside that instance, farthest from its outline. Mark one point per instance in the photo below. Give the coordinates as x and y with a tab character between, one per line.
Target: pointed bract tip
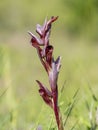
30	33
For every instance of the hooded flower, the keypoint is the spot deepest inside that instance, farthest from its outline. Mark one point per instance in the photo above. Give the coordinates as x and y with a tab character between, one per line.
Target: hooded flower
45	93
35	41
53	73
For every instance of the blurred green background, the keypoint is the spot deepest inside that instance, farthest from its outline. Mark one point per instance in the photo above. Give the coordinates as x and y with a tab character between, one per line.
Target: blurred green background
74	37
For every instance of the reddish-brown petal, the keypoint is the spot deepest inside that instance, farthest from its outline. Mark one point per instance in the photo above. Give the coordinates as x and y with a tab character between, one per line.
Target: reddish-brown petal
53	19
35	41
46	90
50	22
46	94
48	52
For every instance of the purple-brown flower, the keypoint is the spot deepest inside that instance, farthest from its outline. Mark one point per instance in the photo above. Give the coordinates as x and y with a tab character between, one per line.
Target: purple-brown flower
52	67
42	45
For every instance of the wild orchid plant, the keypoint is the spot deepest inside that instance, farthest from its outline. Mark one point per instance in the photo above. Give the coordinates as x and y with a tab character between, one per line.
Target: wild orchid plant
52	67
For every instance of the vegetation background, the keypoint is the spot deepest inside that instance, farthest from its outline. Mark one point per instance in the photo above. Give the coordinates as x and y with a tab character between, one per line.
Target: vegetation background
74	37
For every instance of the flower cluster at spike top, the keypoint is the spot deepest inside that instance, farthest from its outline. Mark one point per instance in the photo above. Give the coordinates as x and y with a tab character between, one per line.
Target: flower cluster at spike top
52	67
